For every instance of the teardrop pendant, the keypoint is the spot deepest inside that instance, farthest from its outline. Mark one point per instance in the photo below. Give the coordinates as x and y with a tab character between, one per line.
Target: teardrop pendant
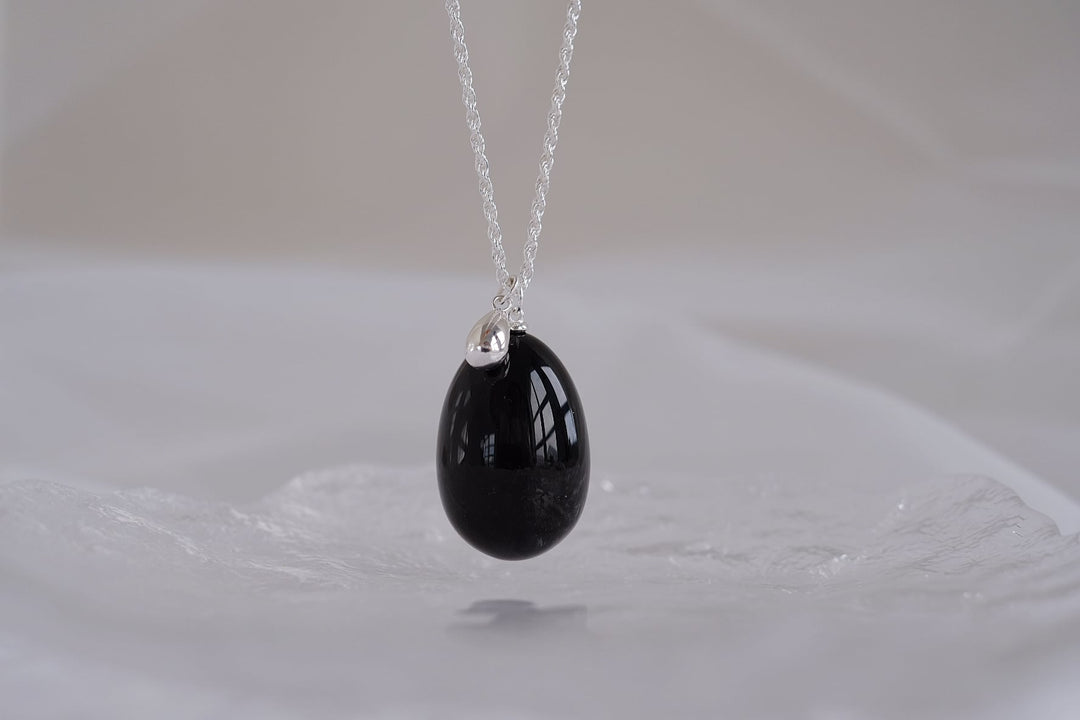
513	452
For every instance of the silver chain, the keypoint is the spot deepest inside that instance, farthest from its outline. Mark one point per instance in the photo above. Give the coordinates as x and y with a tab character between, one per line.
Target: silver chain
512	288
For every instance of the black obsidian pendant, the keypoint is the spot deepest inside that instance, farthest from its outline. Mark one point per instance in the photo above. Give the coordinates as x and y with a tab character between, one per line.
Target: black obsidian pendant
513	452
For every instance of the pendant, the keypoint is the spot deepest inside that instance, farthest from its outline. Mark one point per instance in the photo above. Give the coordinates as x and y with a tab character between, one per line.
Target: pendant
513	451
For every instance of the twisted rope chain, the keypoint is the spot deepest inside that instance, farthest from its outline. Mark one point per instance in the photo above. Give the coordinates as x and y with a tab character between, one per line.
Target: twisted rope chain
512	289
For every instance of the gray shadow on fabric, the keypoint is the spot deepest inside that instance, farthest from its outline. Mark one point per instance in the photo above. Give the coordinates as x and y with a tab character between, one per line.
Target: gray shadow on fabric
512	618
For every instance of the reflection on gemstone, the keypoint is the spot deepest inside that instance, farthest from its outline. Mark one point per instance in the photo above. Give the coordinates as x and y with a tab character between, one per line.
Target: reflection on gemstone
487	449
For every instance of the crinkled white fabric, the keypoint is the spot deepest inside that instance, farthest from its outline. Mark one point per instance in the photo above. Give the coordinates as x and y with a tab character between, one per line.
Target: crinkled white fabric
344	594
762	537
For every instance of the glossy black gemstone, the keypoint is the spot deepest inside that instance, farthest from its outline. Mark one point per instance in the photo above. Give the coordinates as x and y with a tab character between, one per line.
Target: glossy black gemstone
513	452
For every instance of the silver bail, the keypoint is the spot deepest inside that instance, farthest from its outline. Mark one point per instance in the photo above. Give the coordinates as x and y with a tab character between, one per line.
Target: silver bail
488	341
508	301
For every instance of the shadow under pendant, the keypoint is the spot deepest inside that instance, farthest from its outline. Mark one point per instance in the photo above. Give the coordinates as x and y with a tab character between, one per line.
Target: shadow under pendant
513	452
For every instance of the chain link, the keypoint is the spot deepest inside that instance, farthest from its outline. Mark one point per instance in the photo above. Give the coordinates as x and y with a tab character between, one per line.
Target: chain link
512	288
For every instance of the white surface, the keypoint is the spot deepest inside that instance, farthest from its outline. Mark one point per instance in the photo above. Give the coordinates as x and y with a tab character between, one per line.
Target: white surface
345	594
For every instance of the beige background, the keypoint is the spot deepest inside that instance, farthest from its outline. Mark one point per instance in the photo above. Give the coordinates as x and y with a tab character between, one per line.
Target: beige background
332	130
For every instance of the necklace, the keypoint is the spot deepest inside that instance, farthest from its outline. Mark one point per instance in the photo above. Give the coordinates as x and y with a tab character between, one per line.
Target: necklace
512	453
